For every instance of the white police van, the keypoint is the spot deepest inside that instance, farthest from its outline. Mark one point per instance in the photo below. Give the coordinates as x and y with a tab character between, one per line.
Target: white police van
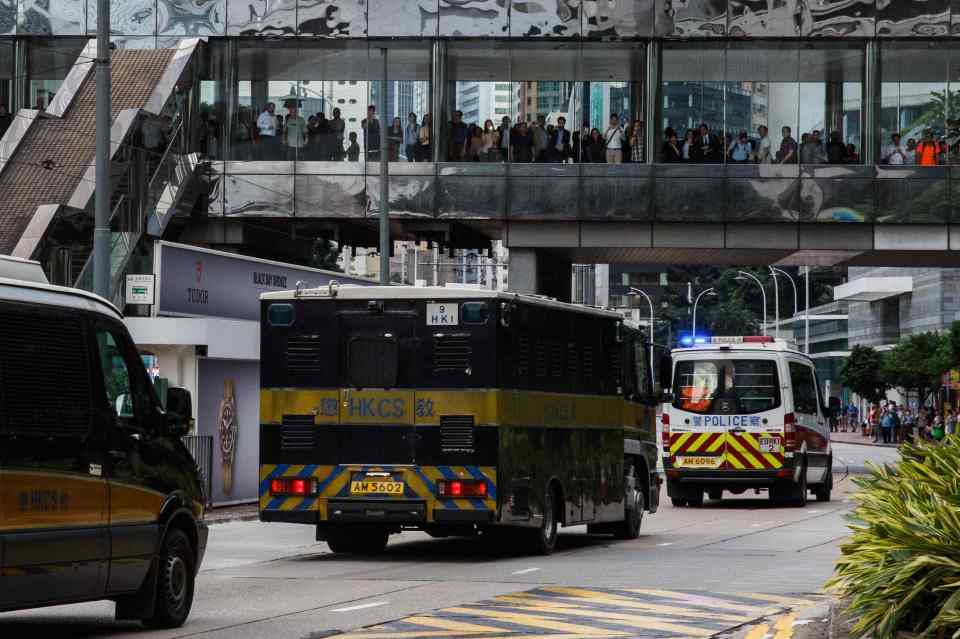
745	413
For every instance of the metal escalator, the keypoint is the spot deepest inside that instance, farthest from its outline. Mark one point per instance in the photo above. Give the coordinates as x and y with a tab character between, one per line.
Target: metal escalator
47	171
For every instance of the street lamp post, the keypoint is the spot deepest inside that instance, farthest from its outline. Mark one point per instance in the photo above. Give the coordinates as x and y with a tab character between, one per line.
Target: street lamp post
742	275
637	291
693	327
792	284
776	304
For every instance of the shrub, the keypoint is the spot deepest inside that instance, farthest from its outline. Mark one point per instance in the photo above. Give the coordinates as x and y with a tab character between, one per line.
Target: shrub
901	568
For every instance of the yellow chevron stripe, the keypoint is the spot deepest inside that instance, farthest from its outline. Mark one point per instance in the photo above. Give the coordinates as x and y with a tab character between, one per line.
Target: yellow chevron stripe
746	454
715	446
700	440
755	443
678	443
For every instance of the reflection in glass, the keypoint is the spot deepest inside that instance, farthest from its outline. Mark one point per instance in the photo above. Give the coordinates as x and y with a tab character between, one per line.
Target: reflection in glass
556	18
758	102
48	62
912	200
542	106
914	103
689	199
56	17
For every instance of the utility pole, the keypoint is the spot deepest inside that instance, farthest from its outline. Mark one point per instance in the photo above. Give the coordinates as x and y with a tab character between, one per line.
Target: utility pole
101	220
806	311
384	180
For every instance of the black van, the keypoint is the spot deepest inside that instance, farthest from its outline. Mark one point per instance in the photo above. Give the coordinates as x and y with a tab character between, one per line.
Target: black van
99	498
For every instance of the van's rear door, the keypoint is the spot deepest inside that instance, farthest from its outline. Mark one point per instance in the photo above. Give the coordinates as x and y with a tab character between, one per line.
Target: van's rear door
696	441
729	413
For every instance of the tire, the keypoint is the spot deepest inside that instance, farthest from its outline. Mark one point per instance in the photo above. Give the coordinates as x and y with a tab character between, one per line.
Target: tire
822	491
716	494
629	528
545	537
695	500
678	502
175	582
799	496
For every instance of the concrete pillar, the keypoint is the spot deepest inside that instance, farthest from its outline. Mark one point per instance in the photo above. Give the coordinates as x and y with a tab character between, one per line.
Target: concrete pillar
537	272
651	107
442	93
871	104
833	111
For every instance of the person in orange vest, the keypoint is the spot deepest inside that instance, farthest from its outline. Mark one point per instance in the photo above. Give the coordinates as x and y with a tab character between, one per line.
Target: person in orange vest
928	151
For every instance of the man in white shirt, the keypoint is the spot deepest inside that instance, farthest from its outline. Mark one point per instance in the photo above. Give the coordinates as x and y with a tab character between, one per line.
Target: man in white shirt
613	141
294	132
763	146
267	125
894	153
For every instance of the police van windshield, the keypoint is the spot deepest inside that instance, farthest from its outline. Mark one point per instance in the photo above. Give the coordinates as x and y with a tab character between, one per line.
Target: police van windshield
726	386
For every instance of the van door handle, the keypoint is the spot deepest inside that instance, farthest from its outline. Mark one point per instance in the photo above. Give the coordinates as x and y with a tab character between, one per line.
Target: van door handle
738	429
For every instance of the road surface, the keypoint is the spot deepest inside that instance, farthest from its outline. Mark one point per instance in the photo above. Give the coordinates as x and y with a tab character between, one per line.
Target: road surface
692	573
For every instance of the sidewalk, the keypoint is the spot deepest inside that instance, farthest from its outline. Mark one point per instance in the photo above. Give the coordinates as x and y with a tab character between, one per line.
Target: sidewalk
857	438
225	514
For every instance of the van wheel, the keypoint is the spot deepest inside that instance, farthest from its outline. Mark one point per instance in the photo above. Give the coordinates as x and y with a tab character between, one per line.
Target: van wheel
629	528
175	581
716	494
545	537
695	500
822	492
678	502
799	497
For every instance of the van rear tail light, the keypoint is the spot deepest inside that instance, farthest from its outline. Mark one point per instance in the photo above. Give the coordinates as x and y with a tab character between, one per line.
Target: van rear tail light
292	486
791	441
665	432
456	488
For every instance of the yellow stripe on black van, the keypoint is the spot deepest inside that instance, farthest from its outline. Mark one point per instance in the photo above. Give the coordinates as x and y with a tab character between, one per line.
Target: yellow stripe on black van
491	407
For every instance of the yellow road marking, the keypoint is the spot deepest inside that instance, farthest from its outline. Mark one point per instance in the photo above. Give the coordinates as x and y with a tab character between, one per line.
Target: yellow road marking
785	627
632	604
789	602
626	602
634	621
449	624
758	632
413	634
704	601
534	622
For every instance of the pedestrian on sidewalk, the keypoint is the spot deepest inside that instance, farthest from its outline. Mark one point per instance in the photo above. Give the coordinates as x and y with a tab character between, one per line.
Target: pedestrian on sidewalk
950	423
937	429
888	422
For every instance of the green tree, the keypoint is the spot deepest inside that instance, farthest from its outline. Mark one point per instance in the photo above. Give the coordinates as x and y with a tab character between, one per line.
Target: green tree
862	373
916	363
324	255
953	345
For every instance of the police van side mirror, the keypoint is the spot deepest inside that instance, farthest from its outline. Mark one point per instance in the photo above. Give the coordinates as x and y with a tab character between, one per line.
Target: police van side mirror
179	411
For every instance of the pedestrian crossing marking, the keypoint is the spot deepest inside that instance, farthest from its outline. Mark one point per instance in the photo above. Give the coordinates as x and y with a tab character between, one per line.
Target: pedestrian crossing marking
785	627
704	601
635	621
535	621
792	602
626	602
567	612
758	632
449	624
